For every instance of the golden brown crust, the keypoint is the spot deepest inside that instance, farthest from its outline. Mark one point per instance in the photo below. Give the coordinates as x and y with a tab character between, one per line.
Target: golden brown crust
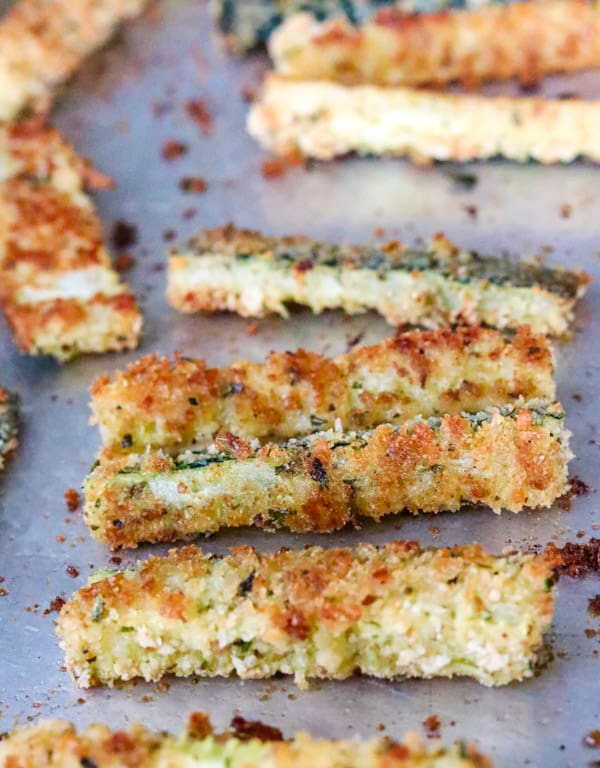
43	42
385	611
524	39
505	459
171	405
57	287
56	743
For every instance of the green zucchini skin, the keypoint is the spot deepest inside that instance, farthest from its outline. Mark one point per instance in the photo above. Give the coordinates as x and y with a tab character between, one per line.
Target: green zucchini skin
9	423
247	24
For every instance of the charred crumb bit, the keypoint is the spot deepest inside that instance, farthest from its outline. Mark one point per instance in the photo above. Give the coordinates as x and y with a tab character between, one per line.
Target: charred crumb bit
577	397
432	725
172	149
147	699
80	700
199	726
72	498
318	472
381	727
354	340
471	211
577	487
124	234
530	88
580	534
566	95
590	633
163	685
55	605
275	167
116	560
72	571
292	696
251	329
462	180
246	584
194	185
246	730
124	261
169	235
189	213
3	592
197	111
577	560
433	530
594	606
592	739
248	93
565	210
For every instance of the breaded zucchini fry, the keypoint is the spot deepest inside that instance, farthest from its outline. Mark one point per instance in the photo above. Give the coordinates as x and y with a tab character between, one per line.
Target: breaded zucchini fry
54	743
313	613
523	39
254	275
58	289
42	43
174	405
9	422
247	23
321	119
506	458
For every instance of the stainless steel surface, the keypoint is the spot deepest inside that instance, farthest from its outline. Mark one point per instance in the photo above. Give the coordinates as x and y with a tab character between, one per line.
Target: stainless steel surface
110	114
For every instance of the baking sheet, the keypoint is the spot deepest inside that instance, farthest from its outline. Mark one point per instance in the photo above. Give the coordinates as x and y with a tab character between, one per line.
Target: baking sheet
126	102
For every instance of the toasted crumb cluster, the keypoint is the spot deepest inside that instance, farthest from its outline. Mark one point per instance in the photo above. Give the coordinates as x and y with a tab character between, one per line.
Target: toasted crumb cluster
42	42
323	119
58	289
253	275
9	418
56	744
391	611
522	39
173	405
505	458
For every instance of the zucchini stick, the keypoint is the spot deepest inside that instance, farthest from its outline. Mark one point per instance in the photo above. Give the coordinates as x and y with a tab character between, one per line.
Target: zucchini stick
158	403
254	275
43	42
503	458
321	119
9	422
313	613
54	743
248	23
523	39
58	289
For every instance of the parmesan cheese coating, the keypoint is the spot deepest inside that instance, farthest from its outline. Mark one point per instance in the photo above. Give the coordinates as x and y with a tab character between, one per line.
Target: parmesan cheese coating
522	39
253	275
322	119
43	42
58	289
57	744
183	403
503	458
387	612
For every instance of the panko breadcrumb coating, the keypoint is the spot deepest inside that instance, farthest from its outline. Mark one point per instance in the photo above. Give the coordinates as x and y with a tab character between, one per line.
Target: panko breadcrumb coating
522	39
504	458
391	611
174	404
58	289
56	744
322	119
